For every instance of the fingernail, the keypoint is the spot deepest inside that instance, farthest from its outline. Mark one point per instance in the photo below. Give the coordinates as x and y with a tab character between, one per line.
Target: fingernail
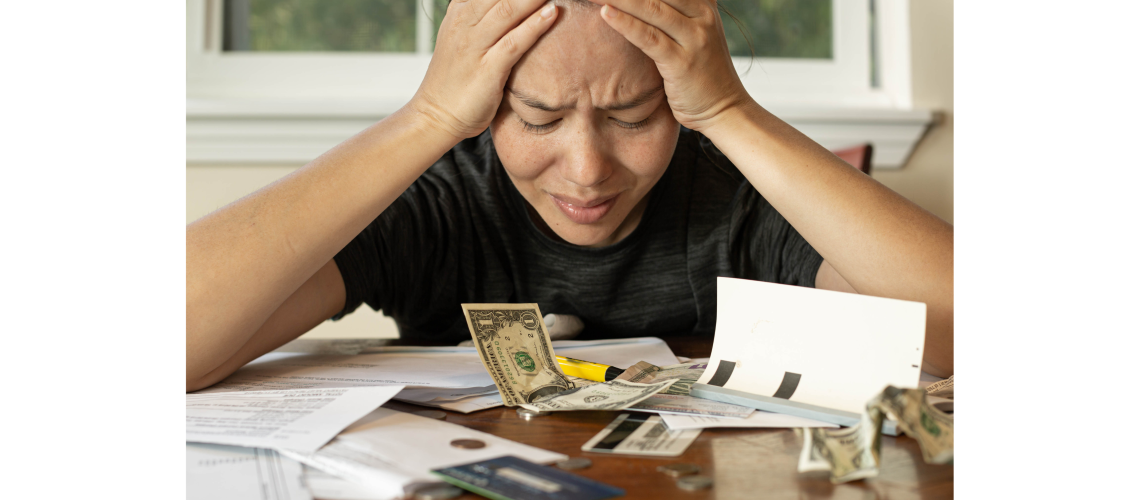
547	11
608	11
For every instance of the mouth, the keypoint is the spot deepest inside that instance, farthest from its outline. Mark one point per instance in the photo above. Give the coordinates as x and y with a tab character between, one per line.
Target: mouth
584	211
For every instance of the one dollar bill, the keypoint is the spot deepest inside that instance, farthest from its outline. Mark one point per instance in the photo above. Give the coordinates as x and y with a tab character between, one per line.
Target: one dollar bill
515	348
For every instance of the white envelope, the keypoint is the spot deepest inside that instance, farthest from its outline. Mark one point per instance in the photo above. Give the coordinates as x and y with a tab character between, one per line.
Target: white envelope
390	451
843	348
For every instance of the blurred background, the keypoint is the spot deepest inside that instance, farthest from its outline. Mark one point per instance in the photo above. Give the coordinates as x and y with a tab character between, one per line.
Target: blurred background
271	84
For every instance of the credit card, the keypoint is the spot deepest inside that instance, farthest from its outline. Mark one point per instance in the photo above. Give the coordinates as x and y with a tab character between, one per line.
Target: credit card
641	435
512	478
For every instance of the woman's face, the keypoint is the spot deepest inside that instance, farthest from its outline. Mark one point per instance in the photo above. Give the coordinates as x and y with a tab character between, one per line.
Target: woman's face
584	130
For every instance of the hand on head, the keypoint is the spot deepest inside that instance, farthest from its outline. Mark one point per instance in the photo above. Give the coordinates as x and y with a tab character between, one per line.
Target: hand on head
478	43
685	38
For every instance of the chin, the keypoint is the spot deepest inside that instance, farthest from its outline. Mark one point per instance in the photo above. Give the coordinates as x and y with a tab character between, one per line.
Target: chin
584	236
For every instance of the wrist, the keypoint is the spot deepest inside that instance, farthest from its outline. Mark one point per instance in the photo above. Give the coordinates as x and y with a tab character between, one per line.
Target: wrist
732	119
432	121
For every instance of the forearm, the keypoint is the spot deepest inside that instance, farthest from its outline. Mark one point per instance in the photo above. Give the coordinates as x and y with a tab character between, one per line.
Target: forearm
244	260
878	241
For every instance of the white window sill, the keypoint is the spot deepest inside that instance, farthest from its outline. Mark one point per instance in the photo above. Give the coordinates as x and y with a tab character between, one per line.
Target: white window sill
294	132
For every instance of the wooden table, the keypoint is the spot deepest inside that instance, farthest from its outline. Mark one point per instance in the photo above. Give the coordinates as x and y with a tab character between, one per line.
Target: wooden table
744	463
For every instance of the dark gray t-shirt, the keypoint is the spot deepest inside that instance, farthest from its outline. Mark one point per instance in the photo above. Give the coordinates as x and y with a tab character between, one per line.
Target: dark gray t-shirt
461	234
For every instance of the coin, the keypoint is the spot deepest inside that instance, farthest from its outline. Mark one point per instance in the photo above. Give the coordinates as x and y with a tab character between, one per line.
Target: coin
438	492
436	414
468	444
529	414
575	463
693	483
678	470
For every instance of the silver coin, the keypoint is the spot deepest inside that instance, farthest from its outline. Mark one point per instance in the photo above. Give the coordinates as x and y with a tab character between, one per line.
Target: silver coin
575	463
678	470
693	483
436	414
468	444
439	492
529	414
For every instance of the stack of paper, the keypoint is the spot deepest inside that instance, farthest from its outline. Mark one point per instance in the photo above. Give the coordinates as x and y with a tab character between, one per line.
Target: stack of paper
216	472
283	409
451	378
386	453
298	419
259	424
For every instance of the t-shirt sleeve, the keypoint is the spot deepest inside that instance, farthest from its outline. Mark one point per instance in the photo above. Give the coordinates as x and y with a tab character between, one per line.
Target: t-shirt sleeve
385	264
767	247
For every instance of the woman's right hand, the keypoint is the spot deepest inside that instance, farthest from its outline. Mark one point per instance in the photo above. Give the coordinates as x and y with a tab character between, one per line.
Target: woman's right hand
479	42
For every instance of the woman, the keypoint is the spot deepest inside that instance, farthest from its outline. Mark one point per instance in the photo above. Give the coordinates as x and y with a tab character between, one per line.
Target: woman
562	176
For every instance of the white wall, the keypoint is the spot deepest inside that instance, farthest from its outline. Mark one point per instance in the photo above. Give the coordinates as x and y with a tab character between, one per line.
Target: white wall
928	177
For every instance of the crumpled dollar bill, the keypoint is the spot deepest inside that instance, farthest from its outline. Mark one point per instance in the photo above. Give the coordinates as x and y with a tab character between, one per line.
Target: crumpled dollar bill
942	388
853	453
685	374
612	395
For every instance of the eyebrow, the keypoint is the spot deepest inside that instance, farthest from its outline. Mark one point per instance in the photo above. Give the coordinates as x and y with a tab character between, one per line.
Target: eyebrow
534	102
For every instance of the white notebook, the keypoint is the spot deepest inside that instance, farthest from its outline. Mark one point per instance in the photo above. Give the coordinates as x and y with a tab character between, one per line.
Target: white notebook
818	347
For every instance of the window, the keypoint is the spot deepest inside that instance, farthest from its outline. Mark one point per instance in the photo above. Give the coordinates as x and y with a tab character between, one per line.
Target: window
284	80
808	52
320	26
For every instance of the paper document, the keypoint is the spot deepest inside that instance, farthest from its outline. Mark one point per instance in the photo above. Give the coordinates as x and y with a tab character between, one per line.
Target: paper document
331	346
688	405
216	472
443	394
450	370
468	405
418	366
759	419
461	400
819	347
621	353
302	420
326	486
391	452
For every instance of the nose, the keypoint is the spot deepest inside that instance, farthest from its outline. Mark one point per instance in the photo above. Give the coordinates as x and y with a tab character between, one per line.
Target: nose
587	163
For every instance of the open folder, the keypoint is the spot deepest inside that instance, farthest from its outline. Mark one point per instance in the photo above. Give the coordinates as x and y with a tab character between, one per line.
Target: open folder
786	349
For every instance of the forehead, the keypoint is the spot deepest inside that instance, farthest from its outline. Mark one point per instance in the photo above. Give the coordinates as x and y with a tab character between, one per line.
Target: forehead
580	55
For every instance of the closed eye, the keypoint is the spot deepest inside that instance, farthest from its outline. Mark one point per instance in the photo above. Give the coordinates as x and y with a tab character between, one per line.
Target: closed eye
631	126
530	127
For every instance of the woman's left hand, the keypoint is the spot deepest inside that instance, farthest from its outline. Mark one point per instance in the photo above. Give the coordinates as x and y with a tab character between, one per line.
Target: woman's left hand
686	40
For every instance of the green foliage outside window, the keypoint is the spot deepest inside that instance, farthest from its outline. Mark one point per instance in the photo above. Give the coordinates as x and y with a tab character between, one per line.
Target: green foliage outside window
332	25
777	28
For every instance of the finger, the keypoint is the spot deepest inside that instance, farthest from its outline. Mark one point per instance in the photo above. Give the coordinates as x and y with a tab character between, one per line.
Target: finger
651	40
687	8
507	51
506	14
657	14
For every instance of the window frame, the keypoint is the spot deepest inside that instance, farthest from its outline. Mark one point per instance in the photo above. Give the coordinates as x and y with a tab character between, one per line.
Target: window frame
843	81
